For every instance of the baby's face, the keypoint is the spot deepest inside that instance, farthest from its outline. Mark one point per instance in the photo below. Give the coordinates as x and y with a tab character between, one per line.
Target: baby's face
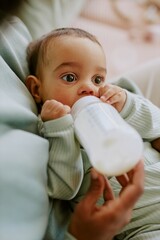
76	68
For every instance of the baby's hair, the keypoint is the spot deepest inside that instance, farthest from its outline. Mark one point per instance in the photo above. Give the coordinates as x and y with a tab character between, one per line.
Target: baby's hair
38	48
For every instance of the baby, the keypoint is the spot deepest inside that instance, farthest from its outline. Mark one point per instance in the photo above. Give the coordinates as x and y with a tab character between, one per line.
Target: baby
66	65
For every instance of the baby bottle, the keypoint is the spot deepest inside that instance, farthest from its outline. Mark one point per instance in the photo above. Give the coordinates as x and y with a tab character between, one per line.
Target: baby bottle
112	145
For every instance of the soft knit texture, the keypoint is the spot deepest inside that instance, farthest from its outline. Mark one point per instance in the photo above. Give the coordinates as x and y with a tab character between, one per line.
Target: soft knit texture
71	181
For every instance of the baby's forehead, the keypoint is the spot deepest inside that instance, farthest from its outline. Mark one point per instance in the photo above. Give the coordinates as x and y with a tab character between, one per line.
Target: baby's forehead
55	46
59	42
62	38
72	44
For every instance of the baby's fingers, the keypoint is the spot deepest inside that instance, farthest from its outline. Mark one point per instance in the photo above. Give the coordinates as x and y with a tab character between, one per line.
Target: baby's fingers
106	92
115	98
50	104
67	109
53	109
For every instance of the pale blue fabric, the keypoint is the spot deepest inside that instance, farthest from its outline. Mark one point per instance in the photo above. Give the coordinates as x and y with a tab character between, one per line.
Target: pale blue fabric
23	154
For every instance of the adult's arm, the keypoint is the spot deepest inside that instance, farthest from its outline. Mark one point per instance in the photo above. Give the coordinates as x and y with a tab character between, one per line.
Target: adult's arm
23	154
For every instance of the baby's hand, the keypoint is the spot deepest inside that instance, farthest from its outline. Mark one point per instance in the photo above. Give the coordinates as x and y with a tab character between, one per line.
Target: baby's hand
53	109
113	95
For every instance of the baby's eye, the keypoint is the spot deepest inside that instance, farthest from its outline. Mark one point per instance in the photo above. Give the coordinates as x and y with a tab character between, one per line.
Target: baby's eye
69	77
98	80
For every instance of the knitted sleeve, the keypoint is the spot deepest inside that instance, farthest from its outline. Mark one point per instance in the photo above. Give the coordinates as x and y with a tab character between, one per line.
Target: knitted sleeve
65	167
143	115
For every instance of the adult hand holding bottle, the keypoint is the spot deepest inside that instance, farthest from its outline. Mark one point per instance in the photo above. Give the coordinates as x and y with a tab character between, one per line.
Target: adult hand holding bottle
90	221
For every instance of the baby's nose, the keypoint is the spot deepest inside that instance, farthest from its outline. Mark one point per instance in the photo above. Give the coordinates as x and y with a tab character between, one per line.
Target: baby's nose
87	89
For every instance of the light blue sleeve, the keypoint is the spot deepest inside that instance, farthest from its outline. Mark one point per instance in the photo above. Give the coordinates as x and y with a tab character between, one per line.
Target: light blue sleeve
24	202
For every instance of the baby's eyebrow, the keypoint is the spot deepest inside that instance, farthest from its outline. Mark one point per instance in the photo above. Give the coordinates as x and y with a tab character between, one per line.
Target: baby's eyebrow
76	64
67	64
102	69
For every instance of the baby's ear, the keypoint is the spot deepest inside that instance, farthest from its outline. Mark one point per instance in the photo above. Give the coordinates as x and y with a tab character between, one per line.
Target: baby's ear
33	84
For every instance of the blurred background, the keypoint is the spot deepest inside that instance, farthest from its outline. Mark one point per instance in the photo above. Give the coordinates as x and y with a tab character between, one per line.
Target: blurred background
129	31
